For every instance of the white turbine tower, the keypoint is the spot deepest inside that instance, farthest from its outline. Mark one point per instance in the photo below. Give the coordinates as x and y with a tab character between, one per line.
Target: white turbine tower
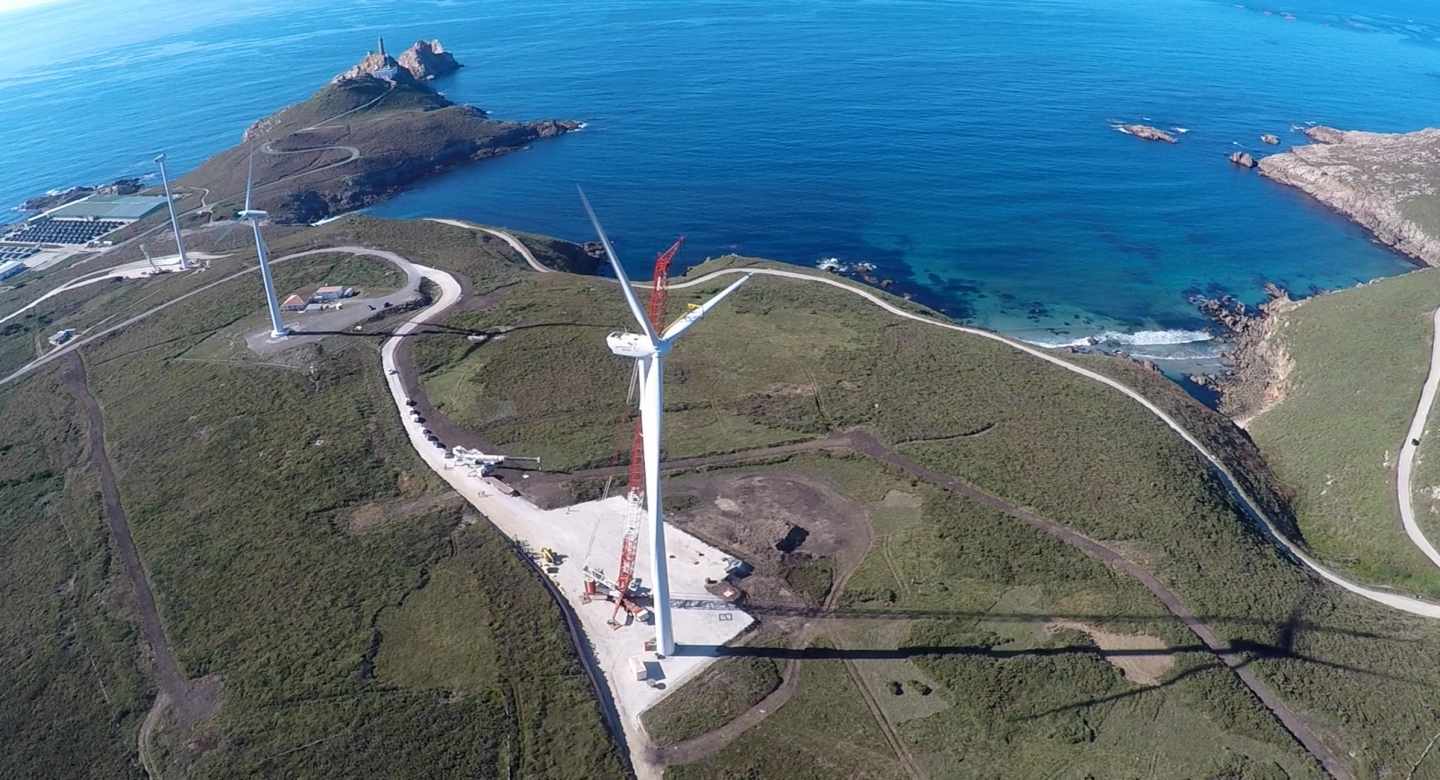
170	202
254	217
649	349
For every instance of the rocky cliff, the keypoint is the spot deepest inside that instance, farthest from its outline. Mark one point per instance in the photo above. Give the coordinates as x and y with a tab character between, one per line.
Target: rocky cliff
428	60
423	61
1389	183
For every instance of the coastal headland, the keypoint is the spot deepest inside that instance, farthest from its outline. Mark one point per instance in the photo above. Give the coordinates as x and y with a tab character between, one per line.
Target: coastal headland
372	131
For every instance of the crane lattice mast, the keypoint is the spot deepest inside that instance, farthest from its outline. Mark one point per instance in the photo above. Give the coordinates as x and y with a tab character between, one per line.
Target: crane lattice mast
635	491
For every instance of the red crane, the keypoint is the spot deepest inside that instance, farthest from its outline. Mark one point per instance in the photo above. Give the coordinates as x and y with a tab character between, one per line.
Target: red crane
655	309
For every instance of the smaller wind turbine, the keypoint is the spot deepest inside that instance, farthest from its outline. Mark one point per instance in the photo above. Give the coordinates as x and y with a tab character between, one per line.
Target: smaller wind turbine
649	349
254	217
170	203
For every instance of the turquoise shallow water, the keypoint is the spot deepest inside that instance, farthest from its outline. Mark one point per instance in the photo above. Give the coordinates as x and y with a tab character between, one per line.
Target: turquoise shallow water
964	147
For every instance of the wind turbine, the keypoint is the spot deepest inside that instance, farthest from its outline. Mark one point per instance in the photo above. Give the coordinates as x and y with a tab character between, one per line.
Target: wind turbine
254	217
170	202
649	349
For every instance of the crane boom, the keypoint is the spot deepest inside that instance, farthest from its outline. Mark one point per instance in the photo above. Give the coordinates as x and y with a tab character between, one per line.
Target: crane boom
655	310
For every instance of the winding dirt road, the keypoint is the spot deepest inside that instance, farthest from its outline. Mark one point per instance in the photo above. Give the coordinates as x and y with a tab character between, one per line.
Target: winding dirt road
191	701
514	242
1409	448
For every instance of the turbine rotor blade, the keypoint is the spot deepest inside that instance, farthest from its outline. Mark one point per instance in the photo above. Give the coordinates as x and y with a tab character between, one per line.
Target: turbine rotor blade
634	303
249	177
683	324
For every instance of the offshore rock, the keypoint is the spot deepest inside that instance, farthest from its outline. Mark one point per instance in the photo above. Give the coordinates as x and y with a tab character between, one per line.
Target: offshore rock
1270	138
1388	183
428	59
1146	132
1243	159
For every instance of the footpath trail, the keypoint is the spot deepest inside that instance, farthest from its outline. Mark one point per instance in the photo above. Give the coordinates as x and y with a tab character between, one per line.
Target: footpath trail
191	701
1408	449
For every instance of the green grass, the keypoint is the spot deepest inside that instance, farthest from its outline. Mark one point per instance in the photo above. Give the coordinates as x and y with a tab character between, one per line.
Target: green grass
992	585
716	696
800	360
70	670
239	514
239	477
824	732
1360	359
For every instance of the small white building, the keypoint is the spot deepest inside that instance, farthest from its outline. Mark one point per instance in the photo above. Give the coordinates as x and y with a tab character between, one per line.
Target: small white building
331	293
61	337
10	268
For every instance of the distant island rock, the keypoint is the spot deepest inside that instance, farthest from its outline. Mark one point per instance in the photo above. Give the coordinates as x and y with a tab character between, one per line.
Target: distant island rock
423	61
1270	138
1243	159
1389	183
375	129
1146	132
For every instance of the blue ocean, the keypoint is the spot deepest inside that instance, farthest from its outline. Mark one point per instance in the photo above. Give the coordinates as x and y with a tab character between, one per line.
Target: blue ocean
965	148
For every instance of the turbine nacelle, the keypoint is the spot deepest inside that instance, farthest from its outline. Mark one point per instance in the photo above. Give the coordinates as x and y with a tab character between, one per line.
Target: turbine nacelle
254	215
634	345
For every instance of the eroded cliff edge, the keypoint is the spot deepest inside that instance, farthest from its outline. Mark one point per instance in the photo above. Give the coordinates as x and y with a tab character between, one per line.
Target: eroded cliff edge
1389	183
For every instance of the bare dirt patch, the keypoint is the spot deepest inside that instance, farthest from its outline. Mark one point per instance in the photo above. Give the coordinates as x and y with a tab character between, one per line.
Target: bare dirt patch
1125	651
778	524
376	514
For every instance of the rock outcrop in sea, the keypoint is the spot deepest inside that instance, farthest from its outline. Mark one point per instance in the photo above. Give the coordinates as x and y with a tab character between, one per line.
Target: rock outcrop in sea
1146	132
428	59
1270	138
1389	183
1243	159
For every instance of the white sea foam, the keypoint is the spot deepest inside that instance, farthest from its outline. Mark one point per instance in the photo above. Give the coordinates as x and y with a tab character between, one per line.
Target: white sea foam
1181	130
1140	338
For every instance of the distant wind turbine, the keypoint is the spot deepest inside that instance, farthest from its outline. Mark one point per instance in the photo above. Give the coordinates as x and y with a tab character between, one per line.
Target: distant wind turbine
649	349
170	203
254	217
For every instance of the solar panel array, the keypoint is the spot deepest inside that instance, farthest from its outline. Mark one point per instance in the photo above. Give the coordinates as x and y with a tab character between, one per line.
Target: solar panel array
64	231
17	252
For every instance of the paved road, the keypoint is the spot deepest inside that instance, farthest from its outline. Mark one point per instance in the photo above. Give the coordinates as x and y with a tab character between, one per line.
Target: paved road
503	236
1408	449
